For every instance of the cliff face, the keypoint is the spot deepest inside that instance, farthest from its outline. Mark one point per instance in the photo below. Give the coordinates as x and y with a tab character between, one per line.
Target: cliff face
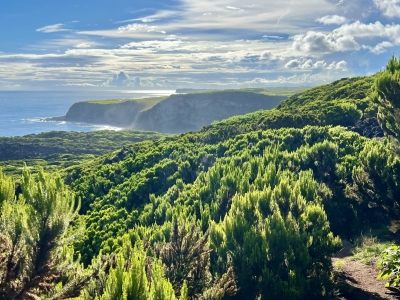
122	114
183	113
176	114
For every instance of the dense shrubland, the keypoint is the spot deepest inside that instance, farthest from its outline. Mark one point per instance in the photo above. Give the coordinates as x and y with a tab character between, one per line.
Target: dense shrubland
251	207
62	149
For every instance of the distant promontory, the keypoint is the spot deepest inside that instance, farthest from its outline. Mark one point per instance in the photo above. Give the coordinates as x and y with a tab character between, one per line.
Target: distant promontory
177	113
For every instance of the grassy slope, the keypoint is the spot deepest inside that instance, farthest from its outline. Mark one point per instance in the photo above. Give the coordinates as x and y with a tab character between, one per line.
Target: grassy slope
148	102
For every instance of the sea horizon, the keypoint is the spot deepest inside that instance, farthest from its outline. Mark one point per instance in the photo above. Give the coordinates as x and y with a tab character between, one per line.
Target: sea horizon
24	112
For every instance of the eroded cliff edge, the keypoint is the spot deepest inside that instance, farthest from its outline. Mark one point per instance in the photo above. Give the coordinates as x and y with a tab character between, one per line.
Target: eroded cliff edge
175	114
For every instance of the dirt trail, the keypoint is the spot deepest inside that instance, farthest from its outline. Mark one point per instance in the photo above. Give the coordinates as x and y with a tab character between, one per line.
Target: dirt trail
356	280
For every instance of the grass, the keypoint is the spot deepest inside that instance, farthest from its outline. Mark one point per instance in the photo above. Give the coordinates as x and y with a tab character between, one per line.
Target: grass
284	91
367	249
148	102
339	264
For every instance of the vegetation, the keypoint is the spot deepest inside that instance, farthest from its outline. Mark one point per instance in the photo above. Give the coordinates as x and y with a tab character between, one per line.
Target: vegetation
148	102
386	91
61	149
368	249
252	207
390	267
35	259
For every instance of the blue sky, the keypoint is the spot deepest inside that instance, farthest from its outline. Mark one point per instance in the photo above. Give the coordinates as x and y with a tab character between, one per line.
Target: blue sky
186	43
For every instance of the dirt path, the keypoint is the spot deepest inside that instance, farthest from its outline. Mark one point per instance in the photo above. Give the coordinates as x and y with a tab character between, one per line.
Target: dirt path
356	280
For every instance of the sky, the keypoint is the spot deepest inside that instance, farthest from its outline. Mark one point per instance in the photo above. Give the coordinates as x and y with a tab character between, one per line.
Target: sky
168	44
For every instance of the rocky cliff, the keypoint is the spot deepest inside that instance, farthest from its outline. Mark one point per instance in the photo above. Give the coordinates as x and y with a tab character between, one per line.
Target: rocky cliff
123	114
190	112
175	114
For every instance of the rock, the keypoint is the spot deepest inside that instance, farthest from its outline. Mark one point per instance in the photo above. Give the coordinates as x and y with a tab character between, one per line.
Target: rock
369	128
119	157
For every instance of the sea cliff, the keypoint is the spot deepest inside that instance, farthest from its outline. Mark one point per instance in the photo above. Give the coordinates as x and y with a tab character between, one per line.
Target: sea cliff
175	114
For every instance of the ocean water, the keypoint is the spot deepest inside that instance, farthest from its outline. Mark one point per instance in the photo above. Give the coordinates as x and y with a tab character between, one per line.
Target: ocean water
22	113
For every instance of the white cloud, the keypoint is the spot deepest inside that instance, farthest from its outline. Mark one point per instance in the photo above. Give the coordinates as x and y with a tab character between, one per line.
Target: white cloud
341	65
84	84
268	56
303	63
82	46
297	79
275	37
205	45
371	30
318	42
379	48
234	8
137	27
390	8
147	20
120	79
358	29
329	20
52	28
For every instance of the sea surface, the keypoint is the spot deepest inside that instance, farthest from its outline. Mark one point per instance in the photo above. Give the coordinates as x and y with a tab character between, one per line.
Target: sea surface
22	112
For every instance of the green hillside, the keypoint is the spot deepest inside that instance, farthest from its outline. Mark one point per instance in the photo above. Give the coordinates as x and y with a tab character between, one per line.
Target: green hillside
61	149
252	207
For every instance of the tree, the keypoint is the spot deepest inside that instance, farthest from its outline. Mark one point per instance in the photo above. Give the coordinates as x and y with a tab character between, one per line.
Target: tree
387	95
34	256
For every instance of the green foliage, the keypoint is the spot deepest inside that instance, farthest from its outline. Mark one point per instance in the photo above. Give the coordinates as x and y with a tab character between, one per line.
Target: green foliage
186	259
148	102
184	292
61	149
129	278
386	94
367	249
34	256
278	242
265	195
390	266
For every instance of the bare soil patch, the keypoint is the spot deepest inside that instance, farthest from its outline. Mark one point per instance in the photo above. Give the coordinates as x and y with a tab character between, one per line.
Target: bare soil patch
356	280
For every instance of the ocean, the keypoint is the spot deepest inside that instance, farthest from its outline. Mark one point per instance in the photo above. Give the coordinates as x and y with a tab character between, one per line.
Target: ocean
22	112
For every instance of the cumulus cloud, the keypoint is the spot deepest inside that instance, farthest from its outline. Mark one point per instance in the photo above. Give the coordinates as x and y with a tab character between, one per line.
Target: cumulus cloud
52	28
318	42
341	65
390	8
297	79
379	48
358	29
329	20
268	56
302	63
377	29
121	79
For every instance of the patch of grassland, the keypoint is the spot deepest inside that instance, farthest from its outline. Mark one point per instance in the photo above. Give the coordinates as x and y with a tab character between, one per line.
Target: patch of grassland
148	102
